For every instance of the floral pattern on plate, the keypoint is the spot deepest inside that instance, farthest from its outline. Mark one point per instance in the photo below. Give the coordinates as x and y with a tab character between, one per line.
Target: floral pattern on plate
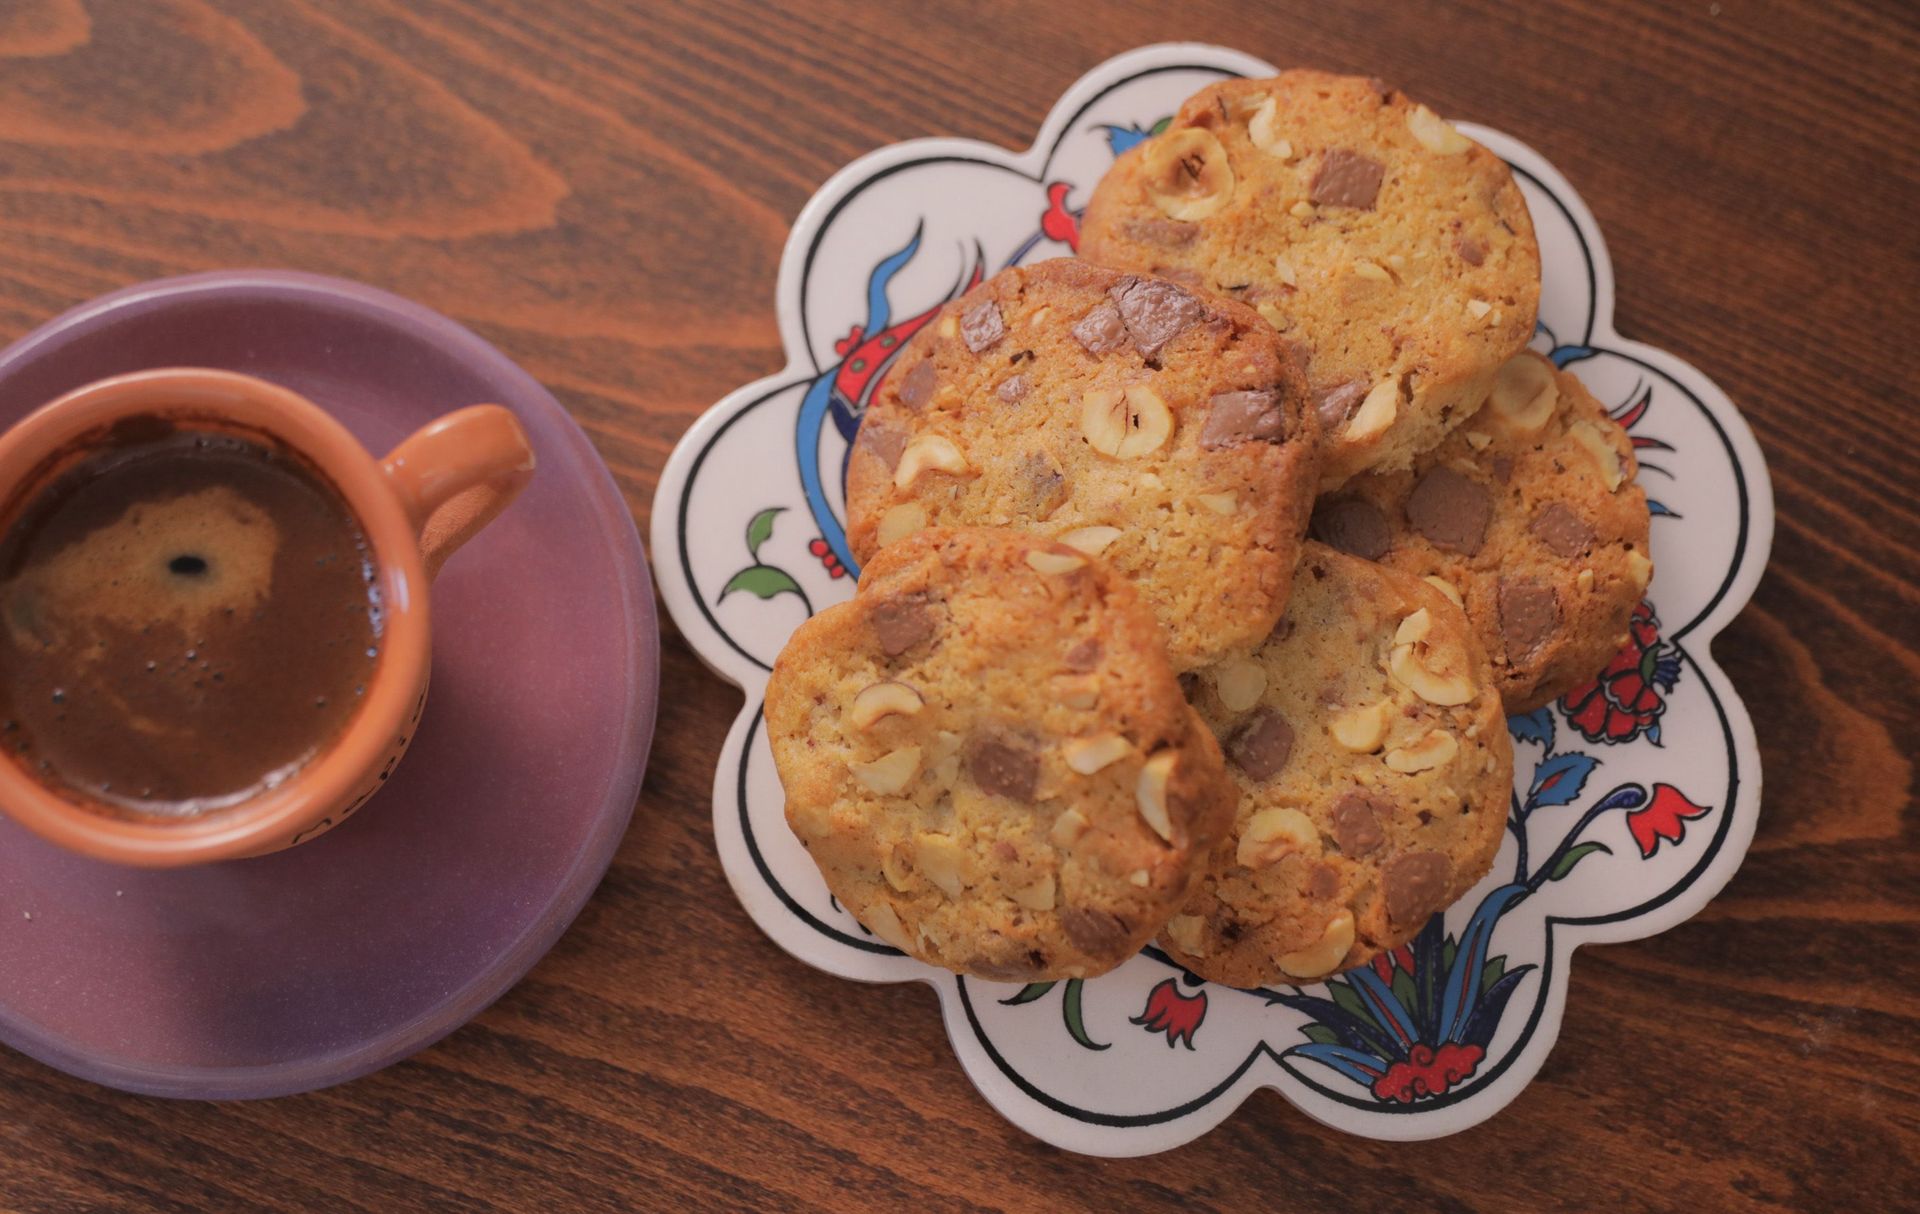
1635	796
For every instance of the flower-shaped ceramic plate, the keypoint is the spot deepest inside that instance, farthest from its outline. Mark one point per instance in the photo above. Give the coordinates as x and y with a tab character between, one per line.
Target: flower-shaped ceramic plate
1634	797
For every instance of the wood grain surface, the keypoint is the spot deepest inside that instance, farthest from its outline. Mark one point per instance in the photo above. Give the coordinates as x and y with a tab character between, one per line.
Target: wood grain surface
601	188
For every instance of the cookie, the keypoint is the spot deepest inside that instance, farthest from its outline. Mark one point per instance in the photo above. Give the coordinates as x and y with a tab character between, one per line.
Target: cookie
991	761
1395	253
1529	516
1166	432
1374	767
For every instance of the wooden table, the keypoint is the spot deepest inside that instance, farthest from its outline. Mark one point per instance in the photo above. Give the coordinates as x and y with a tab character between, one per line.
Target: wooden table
601	188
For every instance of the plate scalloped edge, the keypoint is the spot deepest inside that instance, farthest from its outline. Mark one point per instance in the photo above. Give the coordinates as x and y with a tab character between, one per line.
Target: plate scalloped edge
1375	1056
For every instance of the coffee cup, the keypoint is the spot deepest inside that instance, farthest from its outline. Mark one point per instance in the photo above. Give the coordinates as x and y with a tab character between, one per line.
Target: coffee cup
411	509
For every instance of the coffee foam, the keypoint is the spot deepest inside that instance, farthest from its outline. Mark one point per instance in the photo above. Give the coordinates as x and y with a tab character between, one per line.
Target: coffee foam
119	574
118	577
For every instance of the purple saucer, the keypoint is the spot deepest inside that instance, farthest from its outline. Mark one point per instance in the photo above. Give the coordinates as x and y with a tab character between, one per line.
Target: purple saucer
290	972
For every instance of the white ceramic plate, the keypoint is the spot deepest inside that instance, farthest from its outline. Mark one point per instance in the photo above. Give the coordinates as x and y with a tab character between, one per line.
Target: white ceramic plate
1634	798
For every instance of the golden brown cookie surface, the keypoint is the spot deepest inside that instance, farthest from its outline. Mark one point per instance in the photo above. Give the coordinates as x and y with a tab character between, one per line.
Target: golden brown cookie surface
1530	515
1125	416
1374	767
989	758
1395	253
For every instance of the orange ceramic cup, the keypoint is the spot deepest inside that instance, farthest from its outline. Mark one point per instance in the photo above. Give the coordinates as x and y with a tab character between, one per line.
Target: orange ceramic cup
427	497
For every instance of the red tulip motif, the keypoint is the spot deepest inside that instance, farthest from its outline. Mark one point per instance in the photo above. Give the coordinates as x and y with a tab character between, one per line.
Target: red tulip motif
1170	1012
1664	816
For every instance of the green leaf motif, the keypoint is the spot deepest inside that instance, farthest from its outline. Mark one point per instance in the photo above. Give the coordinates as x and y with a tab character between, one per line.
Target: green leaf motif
1492	972
760	530
1076	1023
1574	856
1160	127
1403	990
1322	1034
761	581
1348	999
1028	993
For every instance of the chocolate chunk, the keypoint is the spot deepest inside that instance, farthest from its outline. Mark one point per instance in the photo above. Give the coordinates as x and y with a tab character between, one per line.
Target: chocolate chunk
1045	484
1243	417
1529	612
1471	251
1301	353
1354	525
1356	822
1451	510
1415	885
1003	768
1101	331
1155	312
1323	882
917	388
1503	468
1084	656
1001	973
884	441
1193	280
1346	179
1172	232
981	326
1096	933
1335	404
1560	529
1263	745
901	622
1012	389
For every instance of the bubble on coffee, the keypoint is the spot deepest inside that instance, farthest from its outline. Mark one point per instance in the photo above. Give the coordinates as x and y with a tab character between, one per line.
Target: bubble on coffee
190	617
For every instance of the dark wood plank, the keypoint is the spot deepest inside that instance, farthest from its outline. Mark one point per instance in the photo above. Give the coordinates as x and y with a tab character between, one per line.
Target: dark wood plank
602	188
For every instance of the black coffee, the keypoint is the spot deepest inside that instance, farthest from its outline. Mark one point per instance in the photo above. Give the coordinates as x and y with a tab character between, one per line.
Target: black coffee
190	616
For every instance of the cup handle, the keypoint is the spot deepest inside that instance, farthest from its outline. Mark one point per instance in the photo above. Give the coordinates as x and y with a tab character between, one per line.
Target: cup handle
456	474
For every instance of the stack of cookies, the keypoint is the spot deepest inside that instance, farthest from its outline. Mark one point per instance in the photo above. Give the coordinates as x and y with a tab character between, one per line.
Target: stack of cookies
1200	573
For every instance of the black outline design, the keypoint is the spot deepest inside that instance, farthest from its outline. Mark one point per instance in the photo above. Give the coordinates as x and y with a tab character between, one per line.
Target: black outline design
1739	484
686	504
766	872
1586	252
